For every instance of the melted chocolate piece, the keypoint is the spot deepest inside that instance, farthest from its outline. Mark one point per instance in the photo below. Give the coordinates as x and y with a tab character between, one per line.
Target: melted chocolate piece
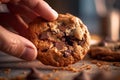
34	75
68	40
66	53
82	76
62	28
59	45
53	32
44	50
44	35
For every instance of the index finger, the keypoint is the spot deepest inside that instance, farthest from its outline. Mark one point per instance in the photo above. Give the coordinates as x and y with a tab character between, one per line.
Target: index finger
42	8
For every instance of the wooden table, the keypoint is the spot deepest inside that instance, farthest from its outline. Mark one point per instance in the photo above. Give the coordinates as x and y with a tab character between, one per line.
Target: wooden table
11	67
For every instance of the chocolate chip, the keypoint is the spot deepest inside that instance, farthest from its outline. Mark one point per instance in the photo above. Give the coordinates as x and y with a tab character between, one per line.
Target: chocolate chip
44	35
62	28
44	50
53	32
82	76
34	75
66	53
68	40
59	45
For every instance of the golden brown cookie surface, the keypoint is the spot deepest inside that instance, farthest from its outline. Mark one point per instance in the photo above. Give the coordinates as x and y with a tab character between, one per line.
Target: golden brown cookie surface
60	42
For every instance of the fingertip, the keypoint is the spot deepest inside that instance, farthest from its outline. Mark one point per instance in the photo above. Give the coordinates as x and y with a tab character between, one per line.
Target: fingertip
29	54
16	45
53	16
42	9
45	11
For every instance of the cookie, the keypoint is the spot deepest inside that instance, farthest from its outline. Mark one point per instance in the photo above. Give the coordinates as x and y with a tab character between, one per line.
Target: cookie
60	42
108	51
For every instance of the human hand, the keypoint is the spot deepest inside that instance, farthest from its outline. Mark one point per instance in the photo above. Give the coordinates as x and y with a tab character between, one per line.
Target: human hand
20	13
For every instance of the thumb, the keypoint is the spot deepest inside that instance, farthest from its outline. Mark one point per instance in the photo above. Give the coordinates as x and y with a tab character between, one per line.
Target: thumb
16	45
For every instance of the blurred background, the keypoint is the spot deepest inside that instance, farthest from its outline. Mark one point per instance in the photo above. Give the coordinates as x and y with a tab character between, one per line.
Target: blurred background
102	17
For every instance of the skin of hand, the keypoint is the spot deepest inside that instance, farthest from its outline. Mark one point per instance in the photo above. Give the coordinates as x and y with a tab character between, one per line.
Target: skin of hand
14	44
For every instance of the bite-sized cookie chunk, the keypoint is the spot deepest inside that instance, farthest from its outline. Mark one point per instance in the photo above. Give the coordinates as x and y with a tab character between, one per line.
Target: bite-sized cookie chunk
60	42
109	51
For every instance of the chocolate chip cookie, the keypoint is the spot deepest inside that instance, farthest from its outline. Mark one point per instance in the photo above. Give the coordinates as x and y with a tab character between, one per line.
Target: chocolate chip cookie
60	42
109	51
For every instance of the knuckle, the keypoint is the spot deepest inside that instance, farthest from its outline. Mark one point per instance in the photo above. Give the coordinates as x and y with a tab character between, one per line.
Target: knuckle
13	47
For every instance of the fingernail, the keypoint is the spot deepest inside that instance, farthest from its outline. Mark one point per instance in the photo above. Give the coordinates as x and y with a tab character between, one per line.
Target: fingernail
55	14
28	54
